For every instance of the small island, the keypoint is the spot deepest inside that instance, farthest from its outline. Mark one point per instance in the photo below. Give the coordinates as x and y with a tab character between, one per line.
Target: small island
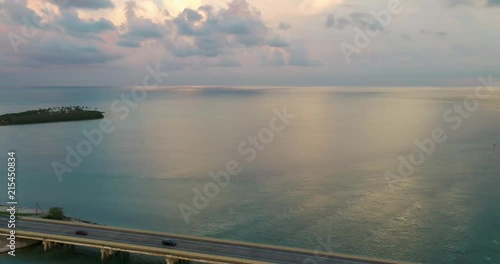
51	114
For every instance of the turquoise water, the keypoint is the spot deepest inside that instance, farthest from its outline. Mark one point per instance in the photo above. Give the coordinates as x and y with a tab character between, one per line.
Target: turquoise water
318	184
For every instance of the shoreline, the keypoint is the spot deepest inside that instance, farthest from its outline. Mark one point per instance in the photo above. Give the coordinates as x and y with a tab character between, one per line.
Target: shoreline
30	212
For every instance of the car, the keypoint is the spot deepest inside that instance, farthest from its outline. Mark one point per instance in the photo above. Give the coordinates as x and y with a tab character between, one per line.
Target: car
81	233
169	242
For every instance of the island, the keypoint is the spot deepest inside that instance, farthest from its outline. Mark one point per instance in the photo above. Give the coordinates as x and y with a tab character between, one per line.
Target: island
51	114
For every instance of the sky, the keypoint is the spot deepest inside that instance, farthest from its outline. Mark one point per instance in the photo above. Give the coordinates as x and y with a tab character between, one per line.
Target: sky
249	42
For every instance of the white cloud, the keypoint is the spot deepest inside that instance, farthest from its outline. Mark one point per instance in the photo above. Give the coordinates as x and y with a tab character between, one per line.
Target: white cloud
312	7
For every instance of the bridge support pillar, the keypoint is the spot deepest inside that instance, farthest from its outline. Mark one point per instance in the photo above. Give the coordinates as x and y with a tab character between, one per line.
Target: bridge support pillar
46	245
104	253
171	260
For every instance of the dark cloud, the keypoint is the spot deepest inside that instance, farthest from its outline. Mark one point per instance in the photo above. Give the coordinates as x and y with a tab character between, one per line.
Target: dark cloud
355	19
227	62
142	28
211	33
434	33
454	3
207	9
214	37
237	20
277	59
284	26
278	42
17	12
489	3
192	15
72	22
299	55
145	29
129	43
296	54
493	2
204	46
184	23
365	20
330	21
63	52
406	37
83	4
343	22
138	29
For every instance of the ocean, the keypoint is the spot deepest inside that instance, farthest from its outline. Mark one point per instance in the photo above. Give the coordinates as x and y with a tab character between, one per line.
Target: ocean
409	174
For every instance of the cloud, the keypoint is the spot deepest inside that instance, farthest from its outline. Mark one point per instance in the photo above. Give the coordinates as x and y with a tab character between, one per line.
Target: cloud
203	32
204	46
434	33
278	42
355	19
365	20
299	55
17	12
227	62
192	15
60	51
312	7
73	23
406	37
129	43
284	26
143	28
489	3
277	59
296	54
330	21
209	34
493	2
83	4
138	29
454	3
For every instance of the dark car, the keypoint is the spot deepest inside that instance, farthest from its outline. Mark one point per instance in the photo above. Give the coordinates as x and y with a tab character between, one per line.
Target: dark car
81	233
168	242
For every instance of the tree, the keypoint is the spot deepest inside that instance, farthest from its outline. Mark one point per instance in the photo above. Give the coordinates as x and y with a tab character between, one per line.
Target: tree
55	213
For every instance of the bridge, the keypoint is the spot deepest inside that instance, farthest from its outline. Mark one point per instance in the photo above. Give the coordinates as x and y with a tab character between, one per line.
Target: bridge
111	240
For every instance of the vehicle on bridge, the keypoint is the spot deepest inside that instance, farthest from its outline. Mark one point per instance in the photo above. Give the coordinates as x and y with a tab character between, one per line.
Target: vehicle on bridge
81	233
169	242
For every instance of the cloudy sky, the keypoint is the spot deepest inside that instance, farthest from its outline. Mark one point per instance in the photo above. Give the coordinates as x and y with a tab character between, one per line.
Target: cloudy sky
249	42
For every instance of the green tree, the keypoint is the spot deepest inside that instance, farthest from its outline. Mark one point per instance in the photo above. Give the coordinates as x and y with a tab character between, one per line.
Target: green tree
55	213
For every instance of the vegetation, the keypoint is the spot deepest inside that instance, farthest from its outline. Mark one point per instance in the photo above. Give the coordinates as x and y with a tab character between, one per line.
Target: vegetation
52	114
17	214
55	213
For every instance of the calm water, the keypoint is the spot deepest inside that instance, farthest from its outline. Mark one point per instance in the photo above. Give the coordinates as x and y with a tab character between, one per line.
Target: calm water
318	184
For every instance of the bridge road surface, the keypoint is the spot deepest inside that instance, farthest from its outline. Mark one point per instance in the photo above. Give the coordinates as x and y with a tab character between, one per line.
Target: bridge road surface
187	244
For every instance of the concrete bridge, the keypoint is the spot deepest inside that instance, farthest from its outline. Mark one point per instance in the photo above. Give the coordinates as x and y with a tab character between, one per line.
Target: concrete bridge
111	240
